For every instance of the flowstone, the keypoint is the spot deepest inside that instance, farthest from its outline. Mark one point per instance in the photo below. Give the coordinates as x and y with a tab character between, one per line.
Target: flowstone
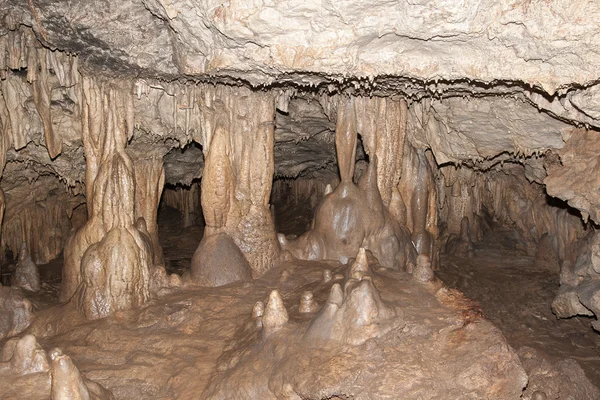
378	335
218	261
351	216
28	372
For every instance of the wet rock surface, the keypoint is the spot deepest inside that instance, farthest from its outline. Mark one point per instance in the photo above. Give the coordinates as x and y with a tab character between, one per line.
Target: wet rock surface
29	372
202	340
516	294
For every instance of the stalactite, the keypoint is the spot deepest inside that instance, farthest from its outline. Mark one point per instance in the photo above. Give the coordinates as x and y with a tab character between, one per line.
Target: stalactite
41	97
382	125
345	140
44	226
512	202
462	198
15	95
300	190
418	196
186	201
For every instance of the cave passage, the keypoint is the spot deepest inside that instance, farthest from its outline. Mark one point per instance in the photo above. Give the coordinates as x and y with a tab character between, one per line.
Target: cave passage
243	216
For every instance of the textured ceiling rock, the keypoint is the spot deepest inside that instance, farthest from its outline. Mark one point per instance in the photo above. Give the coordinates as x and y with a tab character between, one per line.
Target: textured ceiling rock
548	44
459	129
574	180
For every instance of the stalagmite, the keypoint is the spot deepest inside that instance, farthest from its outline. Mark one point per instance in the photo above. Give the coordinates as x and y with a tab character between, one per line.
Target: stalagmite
218	261
69	384
307	303
356	314
26	274
275	316
423	272
353	216
107	262
238	172
29	372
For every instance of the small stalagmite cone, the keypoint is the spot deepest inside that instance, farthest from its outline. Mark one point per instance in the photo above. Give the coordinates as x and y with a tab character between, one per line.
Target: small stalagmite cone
360	266
275	315
258	310
67	382
336	295
328	189
307	302
257	313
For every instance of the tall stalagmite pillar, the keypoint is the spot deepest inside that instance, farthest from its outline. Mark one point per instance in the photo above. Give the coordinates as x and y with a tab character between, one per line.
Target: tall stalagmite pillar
238	171
107	262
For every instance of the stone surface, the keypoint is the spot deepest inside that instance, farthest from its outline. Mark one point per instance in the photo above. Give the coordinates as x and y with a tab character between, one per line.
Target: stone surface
26	273
218	261
27	371
479	41
17	312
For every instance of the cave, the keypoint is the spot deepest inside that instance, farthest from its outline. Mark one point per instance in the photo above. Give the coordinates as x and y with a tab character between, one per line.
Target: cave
299	200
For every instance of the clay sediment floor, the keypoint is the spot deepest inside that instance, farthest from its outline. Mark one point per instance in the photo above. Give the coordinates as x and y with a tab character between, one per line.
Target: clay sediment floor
171	348
515	292
204	342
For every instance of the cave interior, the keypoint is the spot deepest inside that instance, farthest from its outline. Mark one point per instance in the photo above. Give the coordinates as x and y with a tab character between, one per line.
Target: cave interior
299	200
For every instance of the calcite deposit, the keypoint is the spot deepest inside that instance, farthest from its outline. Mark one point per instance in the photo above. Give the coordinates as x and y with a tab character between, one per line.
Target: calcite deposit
284	200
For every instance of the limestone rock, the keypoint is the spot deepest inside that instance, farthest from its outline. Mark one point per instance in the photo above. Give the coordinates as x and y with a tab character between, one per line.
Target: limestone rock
563	379
218	261
17	312
355	314
26	274
28	371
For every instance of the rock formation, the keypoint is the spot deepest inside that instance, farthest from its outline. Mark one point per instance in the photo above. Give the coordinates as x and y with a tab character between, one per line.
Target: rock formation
218	261
351	216
26	273
29	372
379	139
17	314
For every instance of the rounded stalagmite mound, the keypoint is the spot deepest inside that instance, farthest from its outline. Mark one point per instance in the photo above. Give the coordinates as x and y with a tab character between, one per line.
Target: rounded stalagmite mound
219	261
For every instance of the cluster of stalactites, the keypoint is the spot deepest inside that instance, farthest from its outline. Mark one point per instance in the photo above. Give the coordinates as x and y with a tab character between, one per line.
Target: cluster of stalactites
185	200
512	201
47	71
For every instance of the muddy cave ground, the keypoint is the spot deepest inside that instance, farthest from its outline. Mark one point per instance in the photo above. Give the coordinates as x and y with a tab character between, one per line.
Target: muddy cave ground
131	354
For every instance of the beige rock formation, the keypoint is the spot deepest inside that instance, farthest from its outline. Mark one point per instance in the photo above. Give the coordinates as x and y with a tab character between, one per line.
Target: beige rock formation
387	136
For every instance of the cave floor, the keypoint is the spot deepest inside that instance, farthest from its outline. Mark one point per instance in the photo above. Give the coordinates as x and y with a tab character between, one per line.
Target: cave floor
516	293
174	347
202	343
